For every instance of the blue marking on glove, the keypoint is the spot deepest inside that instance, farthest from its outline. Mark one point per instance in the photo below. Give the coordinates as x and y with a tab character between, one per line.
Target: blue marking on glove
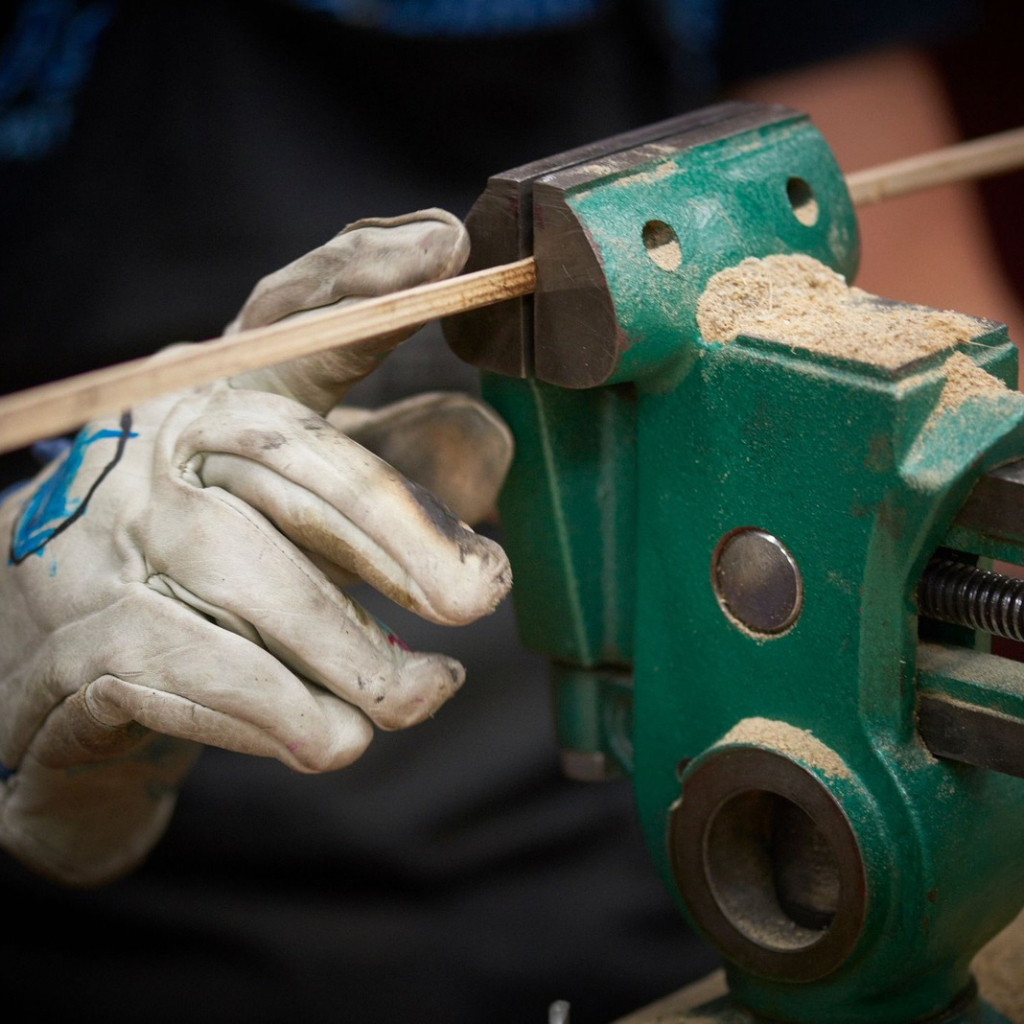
53	508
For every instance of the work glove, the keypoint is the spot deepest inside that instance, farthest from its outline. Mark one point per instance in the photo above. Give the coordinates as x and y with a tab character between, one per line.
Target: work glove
175	579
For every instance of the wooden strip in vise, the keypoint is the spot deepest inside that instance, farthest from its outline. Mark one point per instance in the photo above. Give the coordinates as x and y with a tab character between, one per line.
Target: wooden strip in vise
64	405
977	158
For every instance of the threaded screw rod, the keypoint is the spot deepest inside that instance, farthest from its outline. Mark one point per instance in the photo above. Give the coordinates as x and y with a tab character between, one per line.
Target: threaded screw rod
963	595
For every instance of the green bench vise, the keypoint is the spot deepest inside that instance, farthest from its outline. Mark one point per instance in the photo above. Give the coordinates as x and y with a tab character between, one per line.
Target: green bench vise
759	562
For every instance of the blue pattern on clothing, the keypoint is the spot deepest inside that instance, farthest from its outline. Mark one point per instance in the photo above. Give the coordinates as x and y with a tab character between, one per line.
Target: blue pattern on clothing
50	448
696	20
44	452
44	62
457	17
13	489
49	52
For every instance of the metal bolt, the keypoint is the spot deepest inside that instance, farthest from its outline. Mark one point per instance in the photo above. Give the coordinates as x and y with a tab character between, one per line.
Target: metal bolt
963	595
757	581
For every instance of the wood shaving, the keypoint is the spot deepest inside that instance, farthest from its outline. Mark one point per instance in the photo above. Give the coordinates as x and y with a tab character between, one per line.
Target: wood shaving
800	302
965	379
799	744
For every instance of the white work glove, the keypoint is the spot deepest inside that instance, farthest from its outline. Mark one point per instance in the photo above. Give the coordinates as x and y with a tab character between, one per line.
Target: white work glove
173	581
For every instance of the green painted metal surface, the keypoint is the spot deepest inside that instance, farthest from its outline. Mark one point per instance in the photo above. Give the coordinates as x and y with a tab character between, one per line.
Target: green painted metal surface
619	496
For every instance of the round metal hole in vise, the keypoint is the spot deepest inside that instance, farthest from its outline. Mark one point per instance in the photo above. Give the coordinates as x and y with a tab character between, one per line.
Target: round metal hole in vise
662	245
801	199
768	864
757	581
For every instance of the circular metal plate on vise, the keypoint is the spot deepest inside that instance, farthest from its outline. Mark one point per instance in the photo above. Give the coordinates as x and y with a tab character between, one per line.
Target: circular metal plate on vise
768	864
757	581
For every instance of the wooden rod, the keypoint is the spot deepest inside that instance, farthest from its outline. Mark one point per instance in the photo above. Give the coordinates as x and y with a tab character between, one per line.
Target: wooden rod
977	158
63	405
52	409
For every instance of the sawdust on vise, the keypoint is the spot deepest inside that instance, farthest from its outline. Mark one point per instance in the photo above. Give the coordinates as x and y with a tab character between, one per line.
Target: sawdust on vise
998	970
965	379
799	744
800	302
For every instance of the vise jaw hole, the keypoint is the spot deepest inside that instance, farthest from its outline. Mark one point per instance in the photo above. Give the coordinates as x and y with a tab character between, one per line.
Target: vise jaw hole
801	198
662	245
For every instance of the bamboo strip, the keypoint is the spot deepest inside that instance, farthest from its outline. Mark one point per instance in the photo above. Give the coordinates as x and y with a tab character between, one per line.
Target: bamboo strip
977	158
63	405
51	409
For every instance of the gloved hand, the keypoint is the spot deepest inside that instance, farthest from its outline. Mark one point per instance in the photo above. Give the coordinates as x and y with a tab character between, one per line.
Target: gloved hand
173	580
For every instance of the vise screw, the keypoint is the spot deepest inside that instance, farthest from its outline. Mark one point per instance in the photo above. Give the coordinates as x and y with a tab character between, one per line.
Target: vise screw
759	563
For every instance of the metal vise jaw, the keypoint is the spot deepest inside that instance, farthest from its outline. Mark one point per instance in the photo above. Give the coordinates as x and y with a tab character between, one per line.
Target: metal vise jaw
719	544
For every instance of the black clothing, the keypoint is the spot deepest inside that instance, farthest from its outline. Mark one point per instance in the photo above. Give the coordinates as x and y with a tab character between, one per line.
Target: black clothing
451	874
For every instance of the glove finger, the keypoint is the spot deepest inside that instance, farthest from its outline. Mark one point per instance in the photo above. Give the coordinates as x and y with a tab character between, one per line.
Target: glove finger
330	495
368	258
455	446
332	734
232	566
154	663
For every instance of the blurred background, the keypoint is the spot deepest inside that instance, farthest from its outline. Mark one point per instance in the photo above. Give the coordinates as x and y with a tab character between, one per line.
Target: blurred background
155	161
